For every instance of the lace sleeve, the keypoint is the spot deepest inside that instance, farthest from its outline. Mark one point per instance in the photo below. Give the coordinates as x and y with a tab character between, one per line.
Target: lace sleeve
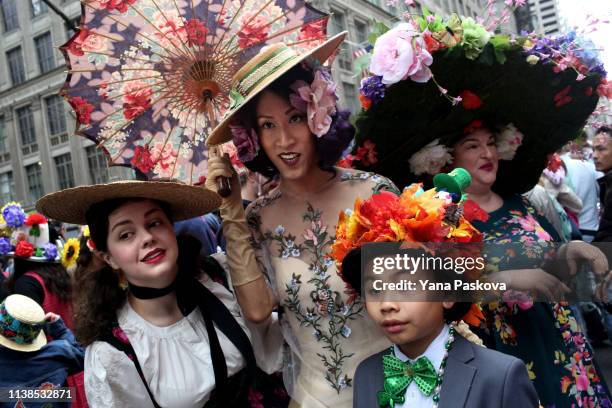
111	379
258	239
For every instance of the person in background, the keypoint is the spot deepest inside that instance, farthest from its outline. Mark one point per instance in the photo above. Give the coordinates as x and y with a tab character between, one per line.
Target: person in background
602	153
27	360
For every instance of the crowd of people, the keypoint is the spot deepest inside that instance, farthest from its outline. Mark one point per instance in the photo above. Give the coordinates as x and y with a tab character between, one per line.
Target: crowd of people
173	296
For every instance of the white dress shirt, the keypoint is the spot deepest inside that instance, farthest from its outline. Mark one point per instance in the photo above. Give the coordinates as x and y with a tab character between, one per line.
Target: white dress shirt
435	354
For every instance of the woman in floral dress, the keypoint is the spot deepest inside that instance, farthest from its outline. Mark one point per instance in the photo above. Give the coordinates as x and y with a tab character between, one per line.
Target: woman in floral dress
289	127
545	336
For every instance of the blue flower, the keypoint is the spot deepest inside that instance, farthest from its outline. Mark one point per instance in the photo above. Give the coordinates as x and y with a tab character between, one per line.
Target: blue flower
290	243
373	88
5	246
13	215
285	254
50	251
280	230
346	331
295	253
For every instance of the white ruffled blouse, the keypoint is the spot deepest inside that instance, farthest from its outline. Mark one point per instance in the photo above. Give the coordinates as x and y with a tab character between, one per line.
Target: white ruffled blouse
175	360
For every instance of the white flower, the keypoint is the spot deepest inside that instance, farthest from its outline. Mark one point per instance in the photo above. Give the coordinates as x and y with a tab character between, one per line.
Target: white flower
430	159
508	141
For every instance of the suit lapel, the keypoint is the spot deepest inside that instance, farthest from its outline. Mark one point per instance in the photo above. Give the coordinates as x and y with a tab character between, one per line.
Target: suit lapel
458	374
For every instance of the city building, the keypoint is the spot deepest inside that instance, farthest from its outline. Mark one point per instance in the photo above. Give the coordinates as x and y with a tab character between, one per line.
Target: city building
545	16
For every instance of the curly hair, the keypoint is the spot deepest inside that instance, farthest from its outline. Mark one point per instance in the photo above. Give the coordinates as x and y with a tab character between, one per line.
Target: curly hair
329	147
97	292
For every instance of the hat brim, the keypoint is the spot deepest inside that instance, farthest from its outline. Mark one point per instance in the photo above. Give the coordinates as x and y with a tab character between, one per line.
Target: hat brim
36	345
185	201
39	259
222	134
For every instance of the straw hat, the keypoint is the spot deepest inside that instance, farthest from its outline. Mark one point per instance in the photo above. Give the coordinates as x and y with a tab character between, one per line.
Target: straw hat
21	324
185	201
263	69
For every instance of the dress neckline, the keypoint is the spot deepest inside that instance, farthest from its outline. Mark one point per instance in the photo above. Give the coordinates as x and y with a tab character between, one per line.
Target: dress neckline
304	196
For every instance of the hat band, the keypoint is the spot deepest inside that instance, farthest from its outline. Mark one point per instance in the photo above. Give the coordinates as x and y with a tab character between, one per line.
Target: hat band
15	330
263	70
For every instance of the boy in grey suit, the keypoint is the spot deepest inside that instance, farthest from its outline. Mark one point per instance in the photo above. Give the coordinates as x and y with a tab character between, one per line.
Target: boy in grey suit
430	364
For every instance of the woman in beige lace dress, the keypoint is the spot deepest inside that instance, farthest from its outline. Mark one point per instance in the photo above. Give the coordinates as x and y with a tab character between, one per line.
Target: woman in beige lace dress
285	124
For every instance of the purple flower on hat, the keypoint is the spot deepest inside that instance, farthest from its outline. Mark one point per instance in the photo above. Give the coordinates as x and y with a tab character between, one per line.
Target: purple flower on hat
373	88
246	142
50	251
13	215
5	246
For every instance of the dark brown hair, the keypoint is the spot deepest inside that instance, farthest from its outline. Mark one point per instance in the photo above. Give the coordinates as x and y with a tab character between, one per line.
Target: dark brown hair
56	278
97	292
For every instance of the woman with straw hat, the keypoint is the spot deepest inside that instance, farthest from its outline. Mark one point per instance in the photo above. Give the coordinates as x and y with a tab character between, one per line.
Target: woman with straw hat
27	360
157	332
496	106
286	124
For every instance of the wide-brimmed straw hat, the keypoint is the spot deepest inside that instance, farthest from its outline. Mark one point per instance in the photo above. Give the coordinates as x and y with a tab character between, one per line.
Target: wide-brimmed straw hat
263	69
185	201
21	324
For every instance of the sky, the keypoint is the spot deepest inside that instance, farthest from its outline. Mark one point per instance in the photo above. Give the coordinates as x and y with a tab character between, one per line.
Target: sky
576	13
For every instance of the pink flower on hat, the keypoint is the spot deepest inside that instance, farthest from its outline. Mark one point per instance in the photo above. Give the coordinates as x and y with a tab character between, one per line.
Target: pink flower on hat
399	54
318	100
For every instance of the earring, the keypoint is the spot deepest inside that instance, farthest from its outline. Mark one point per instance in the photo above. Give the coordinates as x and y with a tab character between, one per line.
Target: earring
123	282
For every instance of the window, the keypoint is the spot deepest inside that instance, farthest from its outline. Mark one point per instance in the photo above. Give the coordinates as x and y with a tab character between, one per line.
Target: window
44	51
362	32
35	186
350	96
38	7
7	187
337	23
344	58
65	175
69	31
98	165
56	119
26	130
15	63
9	14
5	154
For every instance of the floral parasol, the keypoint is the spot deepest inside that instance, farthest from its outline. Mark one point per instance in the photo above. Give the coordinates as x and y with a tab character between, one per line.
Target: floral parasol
149	79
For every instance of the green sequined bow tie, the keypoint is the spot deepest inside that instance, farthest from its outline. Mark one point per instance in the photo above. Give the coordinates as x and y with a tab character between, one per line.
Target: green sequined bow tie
399	375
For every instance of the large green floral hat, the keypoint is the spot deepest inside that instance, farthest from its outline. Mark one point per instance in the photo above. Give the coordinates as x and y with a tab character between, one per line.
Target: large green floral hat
435	80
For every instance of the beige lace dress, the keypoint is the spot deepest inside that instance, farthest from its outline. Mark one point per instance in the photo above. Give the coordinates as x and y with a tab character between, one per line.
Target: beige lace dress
327	331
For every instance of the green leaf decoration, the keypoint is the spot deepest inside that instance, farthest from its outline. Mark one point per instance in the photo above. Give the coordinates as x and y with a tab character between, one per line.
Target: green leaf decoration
35	231
361	63
378	29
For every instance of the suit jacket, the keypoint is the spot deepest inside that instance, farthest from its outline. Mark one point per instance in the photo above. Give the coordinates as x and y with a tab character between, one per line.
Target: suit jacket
475	377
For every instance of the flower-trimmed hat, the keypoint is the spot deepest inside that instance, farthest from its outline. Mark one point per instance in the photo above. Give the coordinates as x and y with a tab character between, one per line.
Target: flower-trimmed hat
29	236
21	324
450	77
271	63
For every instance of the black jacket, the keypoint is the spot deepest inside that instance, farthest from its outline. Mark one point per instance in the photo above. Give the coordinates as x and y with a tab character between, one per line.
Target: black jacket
604	233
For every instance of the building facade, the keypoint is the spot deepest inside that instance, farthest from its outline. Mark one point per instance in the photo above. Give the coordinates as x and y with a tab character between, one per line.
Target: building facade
545	16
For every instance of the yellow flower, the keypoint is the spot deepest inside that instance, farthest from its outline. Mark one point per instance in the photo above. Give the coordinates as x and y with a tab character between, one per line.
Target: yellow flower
85	231
532	375
70	253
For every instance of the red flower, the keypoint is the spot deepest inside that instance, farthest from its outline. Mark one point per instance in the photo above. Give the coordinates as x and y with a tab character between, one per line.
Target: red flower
431	43
605	89
76	45
367	153
253	31
554	162
346	162
472	127
313	30
562	98
470	100
473	212
196	32
119	5
82	108
24	249
136	101
201	181
365	101
35	219
142	159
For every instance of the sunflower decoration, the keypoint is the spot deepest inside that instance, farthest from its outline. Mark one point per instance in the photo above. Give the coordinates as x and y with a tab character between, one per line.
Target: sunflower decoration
70	253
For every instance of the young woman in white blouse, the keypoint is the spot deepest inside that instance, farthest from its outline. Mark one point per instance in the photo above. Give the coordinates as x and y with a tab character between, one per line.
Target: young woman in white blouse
158	332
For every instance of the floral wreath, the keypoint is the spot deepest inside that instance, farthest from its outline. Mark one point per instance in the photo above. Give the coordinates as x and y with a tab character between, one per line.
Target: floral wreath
317	100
